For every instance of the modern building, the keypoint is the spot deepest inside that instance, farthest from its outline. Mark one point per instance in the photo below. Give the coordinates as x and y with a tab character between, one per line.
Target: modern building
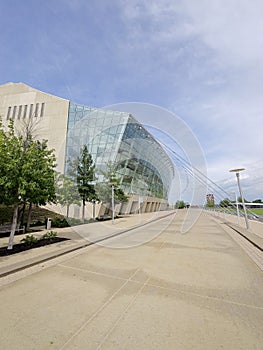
210	199
143	167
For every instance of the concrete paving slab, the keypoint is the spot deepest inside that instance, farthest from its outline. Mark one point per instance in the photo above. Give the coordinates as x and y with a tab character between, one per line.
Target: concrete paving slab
179	291
79	236
164	319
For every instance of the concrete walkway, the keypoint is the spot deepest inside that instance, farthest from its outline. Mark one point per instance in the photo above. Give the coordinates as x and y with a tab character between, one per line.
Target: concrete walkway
255	227
79	236
254	234
198	290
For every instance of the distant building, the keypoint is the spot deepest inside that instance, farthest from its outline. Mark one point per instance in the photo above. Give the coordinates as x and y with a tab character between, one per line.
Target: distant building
210	200
144	168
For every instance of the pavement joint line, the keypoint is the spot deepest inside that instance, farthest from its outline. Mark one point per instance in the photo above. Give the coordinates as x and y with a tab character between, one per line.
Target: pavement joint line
36	268
168	315
122	314
85	323
66	251
54	256
205	296
95	273
109	300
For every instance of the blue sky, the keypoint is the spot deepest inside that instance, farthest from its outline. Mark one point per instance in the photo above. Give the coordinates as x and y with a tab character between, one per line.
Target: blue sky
202	60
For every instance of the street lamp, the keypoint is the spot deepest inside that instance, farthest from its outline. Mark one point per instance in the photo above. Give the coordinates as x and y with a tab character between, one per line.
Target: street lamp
140	200
112	199
237	171
233	195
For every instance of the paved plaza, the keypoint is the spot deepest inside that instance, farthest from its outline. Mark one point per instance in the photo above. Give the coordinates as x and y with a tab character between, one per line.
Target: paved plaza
149	288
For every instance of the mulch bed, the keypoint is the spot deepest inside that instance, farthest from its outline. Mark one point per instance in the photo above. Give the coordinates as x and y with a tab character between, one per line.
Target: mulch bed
7	234
21	247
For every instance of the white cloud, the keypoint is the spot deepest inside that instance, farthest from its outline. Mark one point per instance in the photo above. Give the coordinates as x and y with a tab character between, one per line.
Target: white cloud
231	27
204	60
209	54
251	178
200	59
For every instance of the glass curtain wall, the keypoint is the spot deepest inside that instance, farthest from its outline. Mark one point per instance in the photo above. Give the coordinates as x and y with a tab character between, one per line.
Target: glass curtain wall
101	130
142	165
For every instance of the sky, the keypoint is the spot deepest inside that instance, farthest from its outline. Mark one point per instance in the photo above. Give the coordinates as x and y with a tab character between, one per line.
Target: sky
201	60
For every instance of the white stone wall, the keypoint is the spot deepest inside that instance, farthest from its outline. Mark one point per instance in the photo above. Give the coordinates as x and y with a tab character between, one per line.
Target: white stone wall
52	125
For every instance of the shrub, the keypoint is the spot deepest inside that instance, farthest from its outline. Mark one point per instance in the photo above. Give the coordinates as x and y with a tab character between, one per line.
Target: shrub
49	235
29	240
38	223
74	222
57	222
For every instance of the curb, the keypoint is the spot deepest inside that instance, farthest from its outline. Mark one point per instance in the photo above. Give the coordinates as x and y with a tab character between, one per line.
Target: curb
251	237
243	235
38	260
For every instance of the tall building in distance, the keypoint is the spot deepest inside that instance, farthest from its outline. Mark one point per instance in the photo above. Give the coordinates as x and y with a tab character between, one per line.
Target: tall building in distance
143	167
210	200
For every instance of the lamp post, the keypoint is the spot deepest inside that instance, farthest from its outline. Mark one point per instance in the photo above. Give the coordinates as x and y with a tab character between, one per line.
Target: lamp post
238	215
140	200
237	171
112	200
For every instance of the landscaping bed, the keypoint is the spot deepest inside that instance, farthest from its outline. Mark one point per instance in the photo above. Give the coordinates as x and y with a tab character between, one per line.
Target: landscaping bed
31	242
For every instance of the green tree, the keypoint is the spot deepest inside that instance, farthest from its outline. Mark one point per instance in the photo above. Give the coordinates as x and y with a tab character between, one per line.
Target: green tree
26	172
67	192
38	173
210	204
82	171
180	204
10	155
225	203
239	199
257	201
104	188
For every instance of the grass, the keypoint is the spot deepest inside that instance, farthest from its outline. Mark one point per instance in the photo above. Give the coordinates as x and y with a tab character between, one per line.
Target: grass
257	211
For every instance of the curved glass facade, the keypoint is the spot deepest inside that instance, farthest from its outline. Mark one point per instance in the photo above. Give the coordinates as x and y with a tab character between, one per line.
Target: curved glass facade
142	165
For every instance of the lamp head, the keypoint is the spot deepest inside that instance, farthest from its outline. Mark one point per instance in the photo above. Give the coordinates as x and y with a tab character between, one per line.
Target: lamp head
236	170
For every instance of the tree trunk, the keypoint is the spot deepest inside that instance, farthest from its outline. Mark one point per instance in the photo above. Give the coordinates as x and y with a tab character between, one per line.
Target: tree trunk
67	210
94	206
83	211
13	227
29	217
23	214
